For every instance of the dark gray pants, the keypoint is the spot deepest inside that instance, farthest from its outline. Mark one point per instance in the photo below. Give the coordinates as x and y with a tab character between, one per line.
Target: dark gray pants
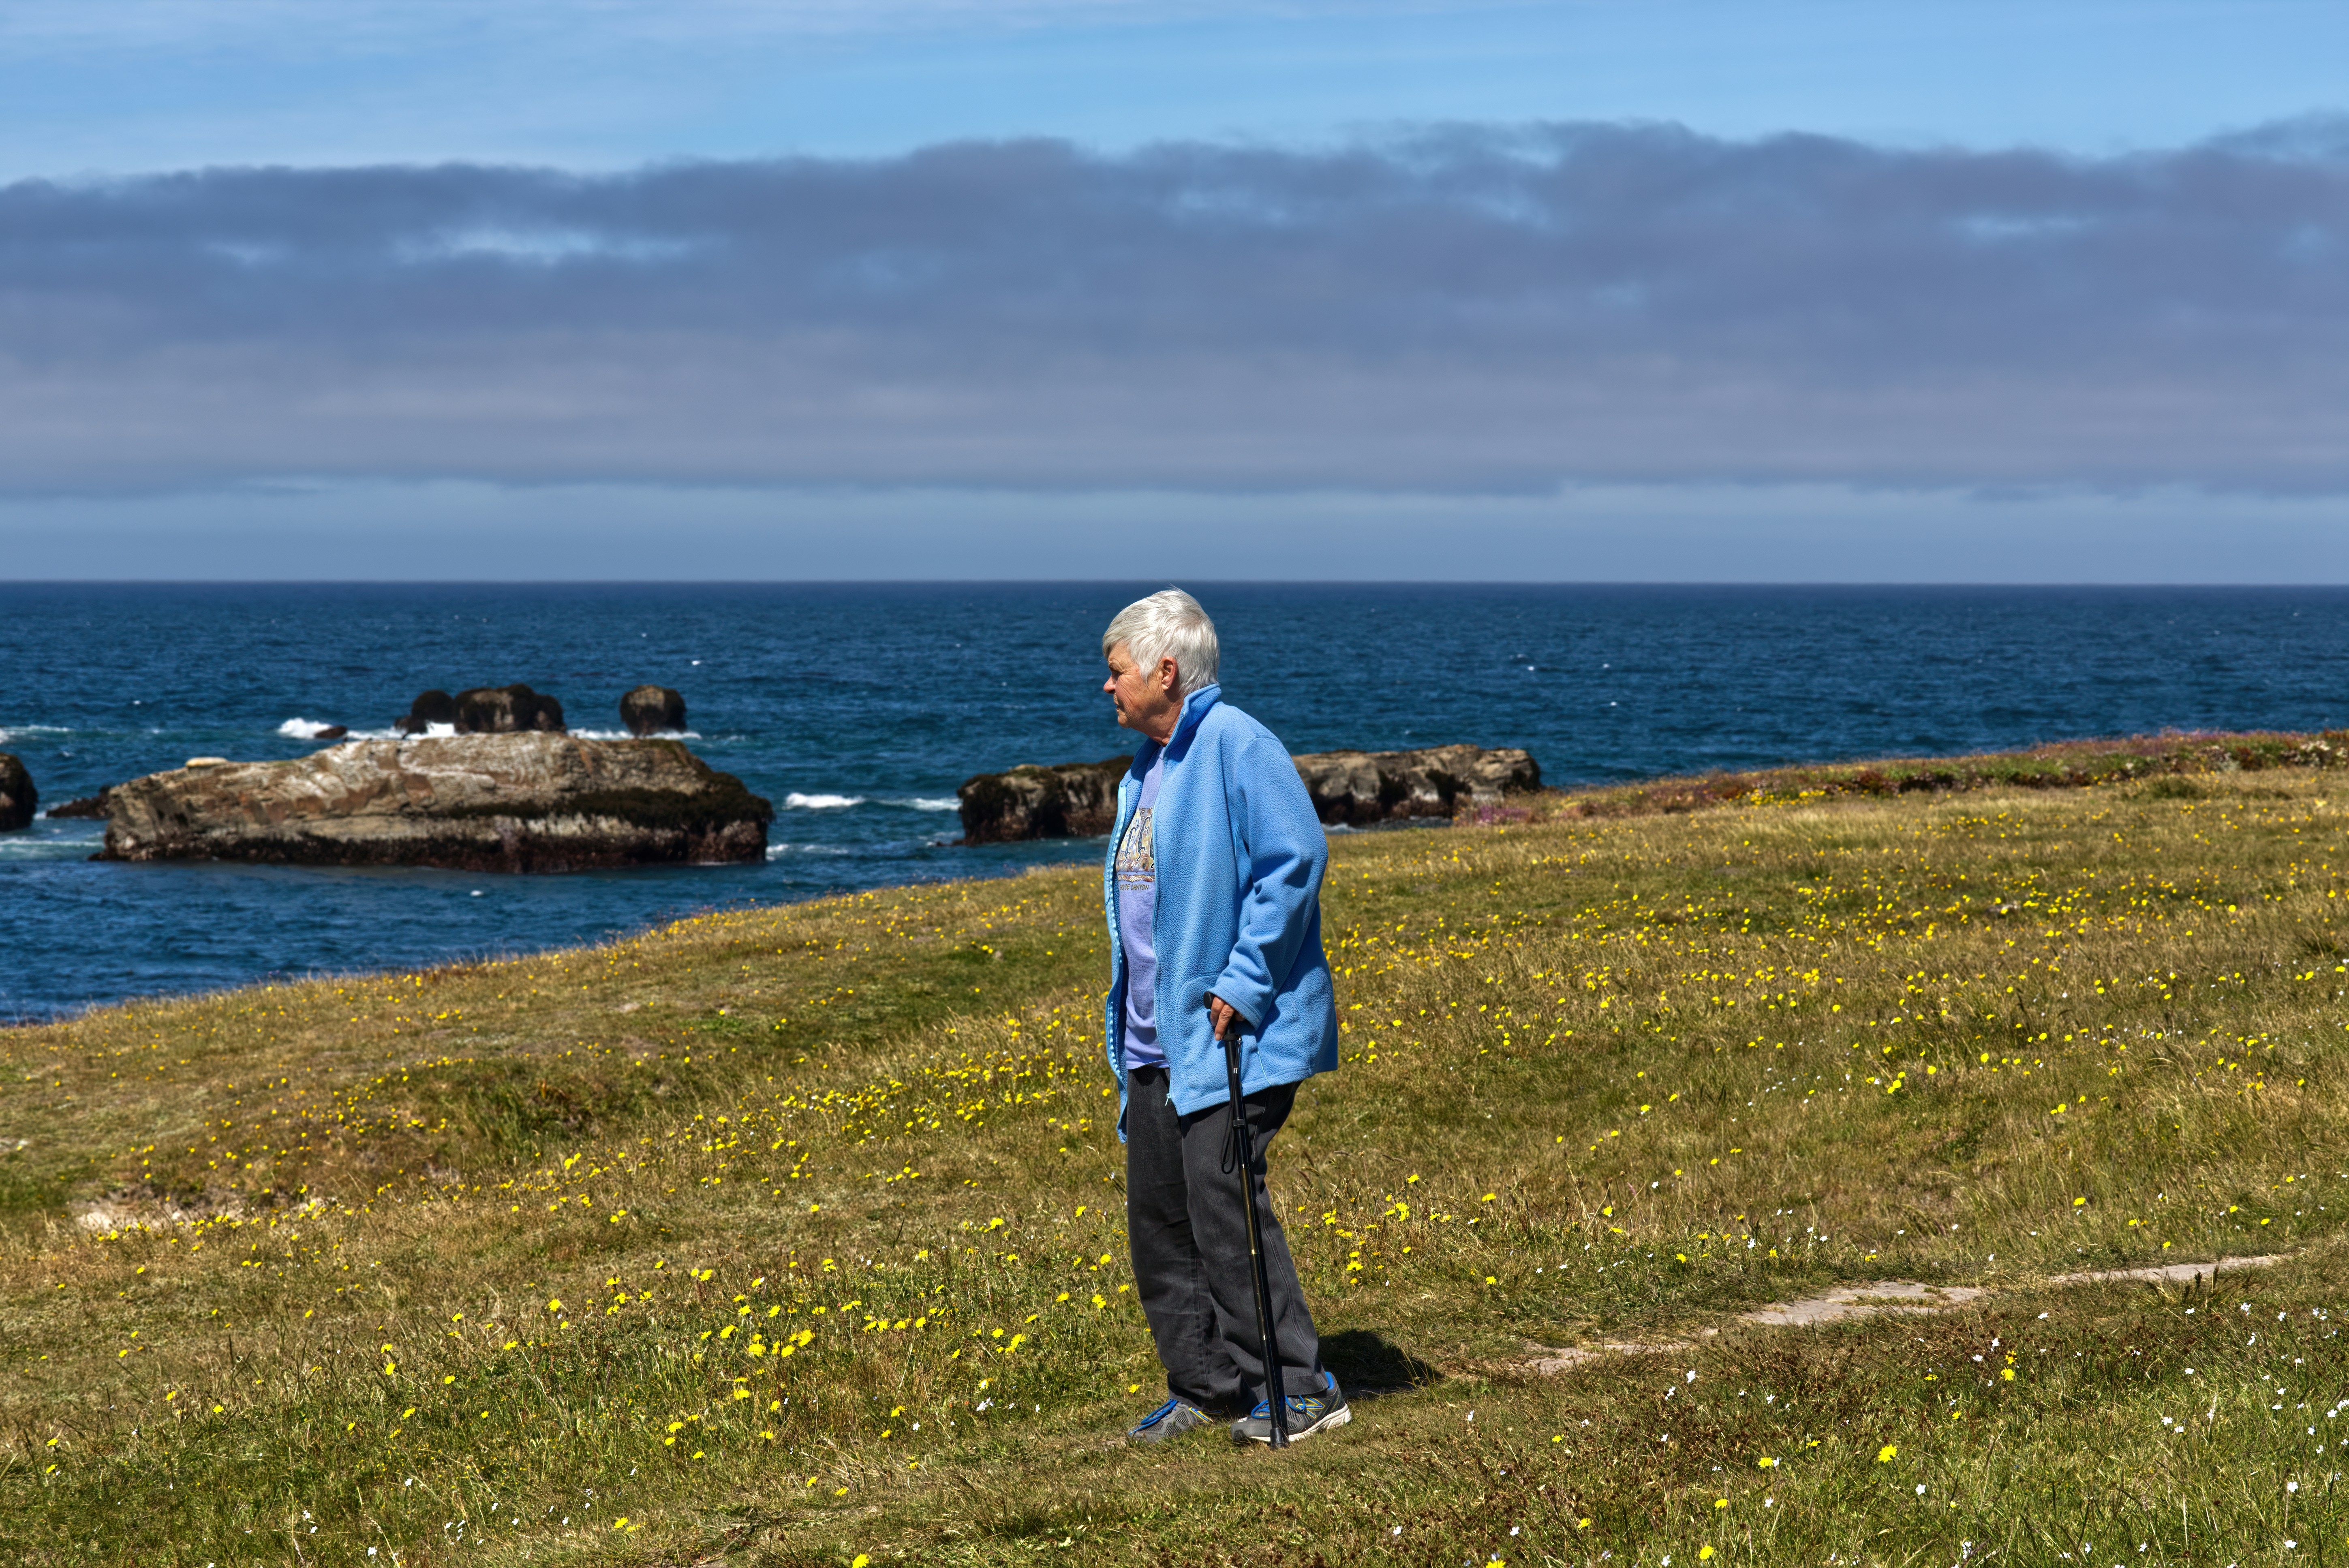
1189	1233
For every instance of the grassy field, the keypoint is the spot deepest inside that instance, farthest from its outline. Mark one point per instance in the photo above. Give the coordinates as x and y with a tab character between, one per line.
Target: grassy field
794	1236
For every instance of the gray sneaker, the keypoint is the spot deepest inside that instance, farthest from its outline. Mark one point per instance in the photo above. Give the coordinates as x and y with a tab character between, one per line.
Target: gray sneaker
1171	1419
1308	1414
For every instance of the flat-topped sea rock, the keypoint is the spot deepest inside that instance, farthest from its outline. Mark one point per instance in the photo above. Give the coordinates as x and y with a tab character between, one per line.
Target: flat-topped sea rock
532	802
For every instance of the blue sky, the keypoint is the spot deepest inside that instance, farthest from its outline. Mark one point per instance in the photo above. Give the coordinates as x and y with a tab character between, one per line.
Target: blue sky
1983	291
135	86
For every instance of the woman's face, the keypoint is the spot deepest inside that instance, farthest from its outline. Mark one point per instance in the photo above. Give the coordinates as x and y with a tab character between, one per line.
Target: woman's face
1144	698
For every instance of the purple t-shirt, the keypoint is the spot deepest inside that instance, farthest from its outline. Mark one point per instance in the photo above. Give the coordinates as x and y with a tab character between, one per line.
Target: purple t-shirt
1137	923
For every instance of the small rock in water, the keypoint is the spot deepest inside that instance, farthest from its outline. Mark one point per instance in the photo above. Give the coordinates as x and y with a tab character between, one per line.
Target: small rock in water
431	707
506	710
17	796
333	732
483	710
651	709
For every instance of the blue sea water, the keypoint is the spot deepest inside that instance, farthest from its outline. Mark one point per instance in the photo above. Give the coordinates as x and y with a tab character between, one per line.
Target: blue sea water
859	708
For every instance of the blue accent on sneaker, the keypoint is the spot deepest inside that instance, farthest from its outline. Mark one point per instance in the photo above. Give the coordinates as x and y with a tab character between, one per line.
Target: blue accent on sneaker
1171	1419
1308	1414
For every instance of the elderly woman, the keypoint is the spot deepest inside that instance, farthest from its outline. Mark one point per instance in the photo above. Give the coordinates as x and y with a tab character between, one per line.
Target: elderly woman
1213	891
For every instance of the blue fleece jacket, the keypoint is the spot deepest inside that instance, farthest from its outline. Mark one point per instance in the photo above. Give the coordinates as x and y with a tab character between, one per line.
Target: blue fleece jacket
1240	857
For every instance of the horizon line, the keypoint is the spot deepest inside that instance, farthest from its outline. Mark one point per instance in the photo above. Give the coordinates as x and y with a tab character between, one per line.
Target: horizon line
715	582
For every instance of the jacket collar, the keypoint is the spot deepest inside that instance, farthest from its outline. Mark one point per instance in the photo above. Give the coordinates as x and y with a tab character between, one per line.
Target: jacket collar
1195	708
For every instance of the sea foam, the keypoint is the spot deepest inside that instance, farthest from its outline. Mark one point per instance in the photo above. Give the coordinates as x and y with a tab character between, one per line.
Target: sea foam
308	728
430	732
822	802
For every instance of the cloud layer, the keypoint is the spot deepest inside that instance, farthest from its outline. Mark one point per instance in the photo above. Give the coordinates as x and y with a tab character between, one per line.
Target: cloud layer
1470	309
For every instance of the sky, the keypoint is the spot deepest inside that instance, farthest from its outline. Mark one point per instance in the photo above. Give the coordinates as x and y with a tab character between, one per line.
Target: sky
711	289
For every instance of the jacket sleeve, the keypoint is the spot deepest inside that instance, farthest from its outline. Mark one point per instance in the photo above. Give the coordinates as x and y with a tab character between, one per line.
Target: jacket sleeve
1283	854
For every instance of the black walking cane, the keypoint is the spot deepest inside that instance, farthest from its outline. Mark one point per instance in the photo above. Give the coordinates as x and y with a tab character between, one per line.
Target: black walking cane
1276	1400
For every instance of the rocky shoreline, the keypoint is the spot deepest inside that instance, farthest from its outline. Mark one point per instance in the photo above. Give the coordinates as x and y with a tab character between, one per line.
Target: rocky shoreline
1364	789
1349	789
1070	801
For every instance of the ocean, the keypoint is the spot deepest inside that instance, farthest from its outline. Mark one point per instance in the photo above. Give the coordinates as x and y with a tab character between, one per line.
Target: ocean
858	709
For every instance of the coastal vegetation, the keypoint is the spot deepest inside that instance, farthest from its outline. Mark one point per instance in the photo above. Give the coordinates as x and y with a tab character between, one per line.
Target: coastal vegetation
793	1236
2178	758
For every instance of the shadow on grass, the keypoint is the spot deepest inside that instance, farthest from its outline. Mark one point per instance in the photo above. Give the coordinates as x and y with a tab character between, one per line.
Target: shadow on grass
1369	1365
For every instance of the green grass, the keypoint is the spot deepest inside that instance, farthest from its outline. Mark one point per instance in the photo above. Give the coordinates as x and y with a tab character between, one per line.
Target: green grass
471	1265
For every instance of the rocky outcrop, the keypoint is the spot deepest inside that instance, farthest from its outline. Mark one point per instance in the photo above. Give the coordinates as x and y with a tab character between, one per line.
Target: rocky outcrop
524	803
652	710
17	796
1072	801
431	707
89	806
507	710
1360	788
1355	788
483	710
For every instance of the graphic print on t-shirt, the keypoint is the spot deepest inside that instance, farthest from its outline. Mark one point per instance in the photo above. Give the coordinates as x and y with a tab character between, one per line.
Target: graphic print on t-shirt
1137	872
1137	854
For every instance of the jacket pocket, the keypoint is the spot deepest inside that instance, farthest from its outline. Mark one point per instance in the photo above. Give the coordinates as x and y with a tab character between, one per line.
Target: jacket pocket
1190	996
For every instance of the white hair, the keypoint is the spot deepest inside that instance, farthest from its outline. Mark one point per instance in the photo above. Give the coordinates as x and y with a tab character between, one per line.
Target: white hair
1167	624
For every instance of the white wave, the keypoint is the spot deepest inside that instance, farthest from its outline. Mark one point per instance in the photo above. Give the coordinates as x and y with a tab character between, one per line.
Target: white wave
822	802
13	731
303	729
432	732
446	731
776	852
33	846
931	803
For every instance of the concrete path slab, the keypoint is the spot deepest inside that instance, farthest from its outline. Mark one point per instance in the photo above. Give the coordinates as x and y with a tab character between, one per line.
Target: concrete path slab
2171	1274
1863	1301
1889	1295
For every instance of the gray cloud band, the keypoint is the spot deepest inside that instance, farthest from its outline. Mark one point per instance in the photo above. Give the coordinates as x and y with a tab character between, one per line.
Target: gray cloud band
1473	309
